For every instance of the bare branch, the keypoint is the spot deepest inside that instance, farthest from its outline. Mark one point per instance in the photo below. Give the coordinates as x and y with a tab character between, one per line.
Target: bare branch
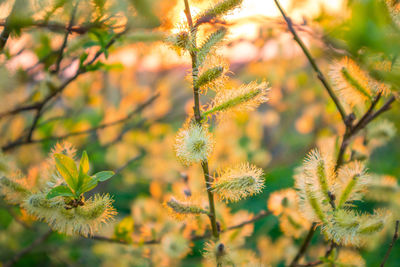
65	41
93	129
28	249
314	65
59	27
304	246
394	239
257	217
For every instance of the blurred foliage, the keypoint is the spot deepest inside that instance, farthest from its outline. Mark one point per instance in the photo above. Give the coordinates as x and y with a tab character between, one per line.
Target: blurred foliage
125	107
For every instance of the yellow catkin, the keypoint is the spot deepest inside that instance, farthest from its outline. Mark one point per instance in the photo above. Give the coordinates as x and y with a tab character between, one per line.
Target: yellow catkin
238	182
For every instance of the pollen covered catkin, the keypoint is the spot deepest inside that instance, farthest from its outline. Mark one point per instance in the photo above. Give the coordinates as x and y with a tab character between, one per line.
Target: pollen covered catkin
238	182
193	144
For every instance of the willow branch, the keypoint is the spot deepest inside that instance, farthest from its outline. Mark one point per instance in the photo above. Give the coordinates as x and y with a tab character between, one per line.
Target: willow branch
257	217
304	246
351	130
6	30
40	105
197	115
140	108
369	116
314	65
65	41
334	98
61	88
28	249
347	120
59	27
394	239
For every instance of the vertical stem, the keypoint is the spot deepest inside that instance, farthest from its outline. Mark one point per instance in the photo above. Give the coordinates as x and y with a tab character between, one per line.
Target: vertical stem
197	115
212	216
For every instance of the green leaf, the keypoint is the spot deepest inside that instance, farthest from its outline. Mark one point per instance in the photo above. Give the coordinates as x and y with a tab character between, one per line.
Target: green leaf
61	190
89	185
86	183
67	168
103	176
84	164
91	182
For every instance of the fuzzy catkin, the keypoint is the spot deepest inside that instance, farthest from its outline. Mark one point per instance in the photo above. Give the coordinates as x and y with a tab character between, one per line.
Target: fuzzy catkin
238	182
193	144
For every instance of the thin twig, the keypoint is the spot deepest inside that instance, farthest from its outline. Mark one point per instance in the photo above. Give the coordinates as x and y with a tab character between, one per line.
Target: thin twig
394	239
34	123
314	65
65	41
93	129
257	217
318	262
304	246
369	116
61	88
129	162
59	27
28	249
6	30
40	105
338	105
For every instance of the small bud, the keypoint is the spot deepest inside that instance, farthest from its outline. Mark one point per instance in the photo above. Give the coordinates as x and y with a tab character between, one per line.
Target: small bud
187	192
180	40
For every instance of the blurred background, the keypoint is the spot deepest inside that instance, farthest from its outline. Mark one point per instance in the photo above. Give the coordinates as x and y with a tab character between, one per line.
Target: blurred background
144	82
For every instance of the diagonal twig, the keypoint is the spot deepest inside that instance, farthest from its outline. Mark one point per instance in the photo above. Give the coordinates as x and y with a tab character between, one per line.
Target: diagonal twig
394	239
28	249
93	129
348	120
314	65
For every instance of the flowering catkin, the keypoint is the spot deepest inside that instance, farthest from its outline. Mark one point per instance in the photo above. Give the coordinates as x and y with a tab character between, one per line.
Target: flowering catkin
67	213
238	182
351	83
348	227
82	220
351	181
315	181
181	209
246	98
193	144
